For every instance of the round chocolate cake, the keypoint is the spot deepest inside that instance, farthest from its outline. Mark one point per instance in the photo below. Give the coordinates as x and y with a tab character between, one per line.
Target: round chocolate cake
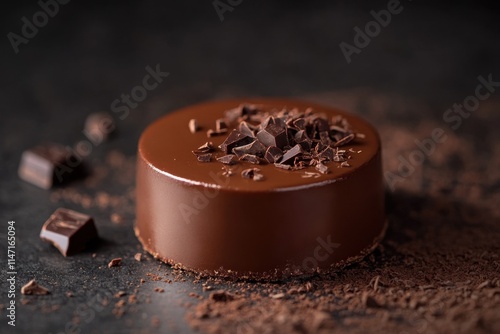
259	188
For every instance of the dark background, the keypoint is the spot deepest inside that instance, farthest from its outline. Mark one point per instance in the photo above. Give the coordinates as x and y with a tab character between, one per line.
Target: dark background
91	53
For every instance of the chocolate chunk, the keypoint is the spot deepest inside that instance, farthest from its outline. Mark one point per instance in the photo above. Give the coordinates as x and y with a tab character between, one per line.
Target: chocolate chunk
291	154
252	173
193	125
246	129
253	159
324	137
205	148
69	231
299	123
235	139
322	168
116	262
273	135
98	127
303	140
229	159
220	125
254	148
49	165
203	157
327	154
32	288
345	140
273	154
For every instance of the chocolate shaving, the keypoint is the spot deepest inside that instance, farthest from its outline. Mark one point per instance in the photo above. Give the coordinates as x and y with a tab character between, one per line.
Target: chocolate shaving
213	133
220	125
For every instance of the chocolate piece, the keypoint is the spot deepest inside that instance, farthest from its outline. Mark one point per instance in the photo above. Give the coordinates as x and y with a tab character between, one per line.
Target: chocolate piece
193	125
254	148
69	231
116	262
252	173
273	135
253	159
169	229
32	288
322	168
98	127
220	125
300	123
245	129
327	154
273	154
138	257
282	166
203	157
205	148
50	164
291	154
229	159
235	139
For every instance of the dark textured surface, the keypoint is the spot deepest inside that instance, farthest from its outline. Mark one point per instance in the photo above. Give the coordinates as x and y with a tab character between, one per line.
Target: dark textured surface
428	58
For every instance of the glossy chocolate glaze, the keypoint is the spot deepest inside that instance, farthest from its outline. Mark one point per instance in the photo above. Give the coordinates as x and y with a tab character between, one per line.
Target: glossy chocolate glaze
191	215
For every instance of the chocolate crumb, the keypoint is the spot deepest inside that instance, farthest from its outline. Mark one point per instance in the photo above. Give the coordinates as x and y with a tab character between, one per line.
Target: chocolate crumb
116	262
204	157
220	125
32	288
138	257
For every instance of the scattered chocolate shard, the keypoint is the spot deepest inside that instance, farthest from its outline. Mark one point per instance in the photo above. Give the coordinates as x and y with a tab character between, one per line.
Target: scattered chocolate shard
220	125
48	165
221	296
327	154
300	123
69	231
282	166
32	288
299	164
205	148
235	139
311	174
116	262
252	173
323	169
324	137
273	135
254	148
345	164
253	159
229	159
138	257
344	140
360	135
290	155
193	125
203	157
245	129
273	154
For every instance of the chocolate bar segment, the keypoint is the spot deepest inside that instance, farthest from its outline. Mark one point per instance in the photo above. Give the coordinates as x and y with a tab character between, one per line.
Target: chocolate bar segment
50	164
69	231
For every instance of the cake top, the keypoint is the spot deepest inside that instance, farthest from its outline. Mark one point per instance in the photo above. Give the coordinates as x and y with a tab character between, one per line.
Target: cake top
259	144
